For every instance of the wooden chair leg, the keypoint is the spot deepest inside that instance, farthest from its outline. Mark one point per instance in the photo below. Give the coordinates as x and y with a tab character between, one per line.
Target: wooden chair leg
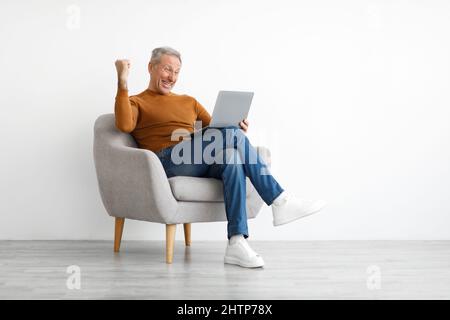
187	234
170	241
118	233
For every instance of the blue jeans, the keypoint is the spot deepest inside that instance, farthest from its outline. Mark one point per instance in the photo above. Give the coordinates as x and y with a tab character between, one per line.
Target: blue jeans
232	162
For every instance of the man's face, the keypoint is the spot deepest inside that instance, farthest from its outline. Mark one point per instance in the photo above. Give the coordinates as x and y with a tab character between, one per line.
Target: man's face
164	75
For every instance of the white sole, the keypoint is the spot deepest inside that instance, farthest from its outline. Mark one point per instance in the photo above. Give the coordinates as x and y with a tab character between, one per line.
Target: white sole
235	261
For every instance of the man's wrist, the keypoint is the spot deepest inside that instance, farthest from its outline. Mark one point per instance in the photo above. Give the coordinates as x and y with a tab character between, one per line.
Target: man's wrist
123	84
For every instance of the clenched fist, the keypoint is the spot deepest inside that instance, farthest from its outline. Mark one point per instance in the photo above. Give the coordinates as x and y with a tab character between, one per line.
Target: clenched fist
123	68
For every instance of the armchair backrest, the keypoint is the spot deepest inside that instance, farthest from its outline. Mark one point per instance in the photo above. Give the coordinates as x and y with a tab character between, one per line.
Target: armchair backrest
107	135
108	142
132	181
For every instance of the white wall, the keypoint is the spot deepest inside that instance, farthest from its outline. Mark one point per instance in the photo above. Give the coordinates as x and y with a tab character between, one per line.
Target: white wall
351	96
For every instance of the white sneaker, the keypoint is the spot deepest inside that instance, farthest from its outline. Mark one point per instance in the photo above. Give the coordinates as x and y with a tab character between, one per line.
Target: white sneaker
292	208
242	255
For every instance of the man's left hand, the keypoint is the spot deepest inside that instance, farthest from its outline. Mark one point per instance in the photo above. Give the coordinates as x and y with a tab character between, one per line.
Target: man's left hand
244	125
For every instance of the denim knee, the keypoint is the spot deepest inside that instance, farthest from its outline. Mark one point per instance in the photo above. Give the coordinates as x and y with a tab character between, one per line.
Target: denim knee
232	136
231	158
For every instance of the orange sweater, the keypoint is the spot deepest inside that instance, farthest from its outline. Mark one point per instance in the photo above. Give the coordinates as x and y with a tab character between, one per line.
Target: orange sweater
151	118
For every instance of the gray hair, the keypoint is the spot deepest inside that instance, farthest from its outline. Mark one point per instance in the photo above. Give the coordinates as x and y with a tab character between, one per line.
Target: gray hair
158	52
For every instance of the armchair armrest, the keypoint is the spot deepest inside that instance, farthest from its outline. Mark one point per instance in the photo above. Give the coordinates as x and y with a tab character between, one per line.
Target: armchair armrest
133	183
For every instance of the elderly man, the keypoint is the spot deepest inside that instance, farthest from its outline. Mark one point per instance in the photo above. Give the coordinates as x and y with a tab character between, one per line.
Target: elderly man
153	116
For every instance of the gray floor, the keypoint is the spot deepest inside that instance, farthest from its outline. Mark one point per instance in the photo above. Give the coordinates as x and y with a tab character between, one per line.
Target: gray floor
294	270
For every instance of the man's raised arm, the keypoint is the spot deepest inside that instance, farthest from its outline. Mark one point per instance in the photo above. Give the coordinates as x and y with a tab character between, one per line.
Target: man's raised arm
126	111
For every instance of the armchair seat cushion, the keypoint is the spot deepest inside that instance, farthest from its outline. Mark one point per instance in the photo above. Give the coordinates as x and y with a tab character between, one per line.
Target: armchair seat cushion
196	189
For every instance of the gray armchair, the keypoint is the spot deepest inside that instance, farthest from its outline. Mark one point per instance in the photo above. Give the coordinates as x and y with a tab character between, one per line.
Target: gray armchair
134	185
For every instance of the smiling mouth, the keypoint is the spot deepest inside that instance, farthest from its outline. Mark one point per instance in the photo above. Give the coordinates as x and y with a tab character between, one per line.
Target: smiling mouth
166	84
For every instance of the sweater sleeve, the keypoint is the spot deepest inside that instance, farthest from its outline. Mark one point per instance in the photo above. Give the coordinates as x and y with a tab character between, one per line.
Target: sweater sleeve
202	114
126	111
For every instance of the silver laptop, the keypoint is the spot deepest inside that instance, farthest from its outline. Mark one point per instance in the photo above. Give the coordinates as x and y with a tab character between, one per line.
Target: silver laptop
231	108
